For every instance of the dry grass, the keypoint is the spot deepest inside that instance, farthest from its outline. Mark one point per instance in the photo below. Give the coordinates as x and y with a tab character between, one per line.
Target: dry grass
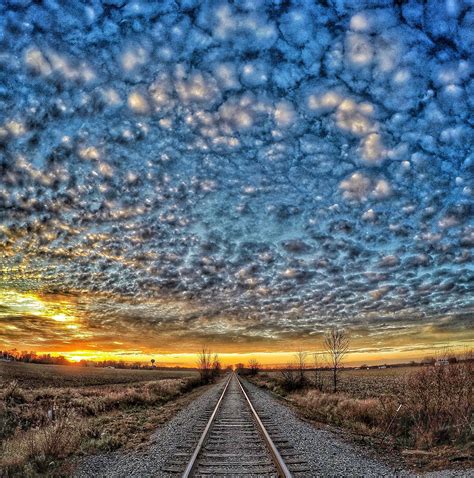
31	452
30	376
358	383
42	425
436	405
365	416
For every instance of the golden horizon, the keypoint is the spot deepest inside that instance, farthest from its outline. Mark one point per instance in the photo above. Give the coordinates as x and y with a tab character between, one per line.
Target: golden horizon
63	325
267	359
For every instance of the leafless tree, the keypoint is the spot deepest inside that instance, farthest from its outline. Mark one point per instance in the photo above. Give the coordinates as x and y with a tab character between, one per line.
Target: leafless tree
301	357
336	344
216	366
253	366
204	364
317	374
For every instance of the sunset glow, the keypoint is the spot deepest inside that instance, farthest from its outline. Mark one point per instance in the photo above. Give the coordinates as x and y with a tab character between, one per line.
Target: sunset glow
237	175
62	330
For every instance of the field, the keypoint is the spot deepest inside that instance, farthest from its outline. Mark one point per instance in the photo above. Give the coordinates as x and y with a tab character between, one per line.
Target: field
52	412
365	383
31	376
424	412
374	382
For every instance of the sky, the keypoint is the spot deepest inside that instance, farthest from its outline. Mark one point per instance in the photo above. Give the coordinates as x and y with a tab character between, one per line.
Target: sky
237	174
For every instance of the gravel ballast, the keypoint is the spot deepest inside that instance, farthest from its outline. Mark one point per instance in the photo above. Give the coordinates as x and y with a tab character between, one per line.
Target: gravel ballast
327	455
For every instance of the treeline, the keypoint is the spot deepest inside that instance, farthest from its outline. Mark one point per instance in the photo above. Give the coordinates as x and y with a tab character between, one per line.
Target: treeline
120	364
14	355
33	357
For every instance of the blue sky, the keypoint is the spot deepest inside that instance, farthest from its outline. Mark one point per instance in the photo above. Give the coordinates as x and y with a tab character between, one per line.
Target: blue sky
243	173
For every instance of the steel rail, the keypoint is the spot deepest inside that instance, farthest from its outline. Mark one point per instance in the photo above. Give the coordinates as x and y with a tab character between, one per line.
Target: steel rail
277	458
202	439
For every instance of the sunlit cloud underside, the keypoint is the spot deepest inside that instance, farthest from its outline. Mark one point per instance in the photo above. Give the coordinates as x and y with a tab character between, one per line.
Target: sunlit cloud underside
238	174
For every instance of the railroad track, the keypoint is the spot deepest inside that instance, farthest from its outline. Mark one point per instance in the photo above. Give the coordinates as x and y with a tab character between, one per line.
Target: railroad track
235	441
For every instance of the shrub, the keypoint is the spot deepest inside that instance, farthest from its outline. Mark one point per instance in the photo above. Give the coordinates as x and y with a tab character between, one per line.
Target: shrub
292	379
13	394
36	449
190	384
437	405
363	415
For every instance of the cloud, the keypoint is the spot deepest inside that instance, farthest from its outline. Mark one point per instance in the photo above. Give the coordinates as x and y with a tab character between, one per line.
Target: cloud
270	165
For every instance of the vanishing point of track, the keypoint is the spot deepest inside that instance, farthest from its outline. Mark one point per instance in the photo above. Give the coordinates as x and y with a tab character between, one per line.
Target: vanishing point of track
236	442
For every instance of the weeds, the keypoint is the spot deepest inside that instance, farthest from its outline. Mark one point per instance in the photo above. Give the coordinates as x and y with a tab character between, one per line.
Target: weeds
13	394
40	427
36	450
436	404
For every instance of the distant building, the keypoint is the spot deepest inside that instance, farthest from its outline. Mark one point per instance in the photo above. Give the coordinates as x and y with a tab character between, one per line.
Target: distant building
441	362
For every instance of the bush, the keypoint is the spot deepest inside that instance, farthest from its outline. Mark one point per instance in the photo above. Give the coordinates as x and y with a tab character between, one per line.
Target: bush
362	415
436	408
292	379
35	450
13	394
190	384
437	405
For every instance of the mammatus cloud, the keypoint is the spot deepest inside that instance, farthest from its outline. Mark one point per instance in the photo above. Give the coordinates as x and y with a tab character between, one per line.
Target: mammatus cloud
246	172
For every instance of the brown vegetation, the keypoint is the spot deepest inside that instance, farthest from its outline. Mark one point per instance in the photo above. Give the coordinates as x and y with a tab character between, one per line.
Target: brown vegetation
32	376
420	408
41	426
336	345
293	376
253	366
208	365
30	452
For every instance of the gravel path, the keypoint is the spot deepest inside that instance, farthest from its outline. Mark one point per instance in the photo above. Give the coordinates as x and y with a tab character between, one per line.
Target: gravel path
327	455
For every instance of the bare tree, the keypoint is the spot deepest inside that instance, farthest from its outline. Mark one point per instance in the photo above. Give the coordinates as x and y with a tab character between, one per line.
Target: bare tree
239	367
336	344
317	374
301	357
253	366
216	366
204	364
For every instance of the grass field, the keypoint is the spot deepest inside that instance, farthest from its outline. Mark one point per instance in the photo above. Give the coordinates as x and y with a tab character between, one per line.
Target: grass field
425	411
365	383
52	412
31	376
